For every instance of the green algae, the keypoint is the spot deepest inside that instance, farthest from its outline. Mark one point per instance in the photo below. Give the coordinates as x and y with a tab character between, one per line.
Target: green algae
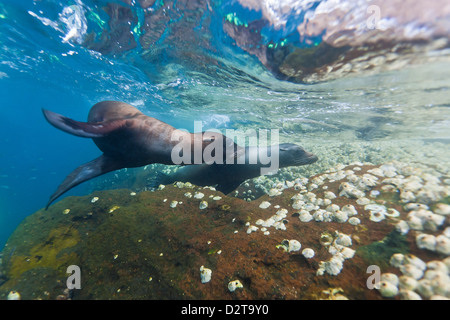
49	254
446	200
213	251
390	197
379	252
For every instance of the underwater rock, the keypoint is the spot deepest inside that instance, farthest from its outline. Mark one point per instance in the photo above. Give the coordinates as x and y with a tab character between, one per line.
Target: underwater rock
160	244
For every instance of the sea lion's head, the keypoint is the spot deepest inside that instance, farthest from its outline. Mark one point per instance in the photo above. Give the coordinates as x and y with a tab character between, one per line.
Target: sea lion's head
291	154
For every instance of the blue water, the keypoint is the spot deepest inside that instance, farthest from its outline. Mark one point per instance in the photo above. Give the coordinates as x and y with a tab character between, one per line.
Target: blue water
185	67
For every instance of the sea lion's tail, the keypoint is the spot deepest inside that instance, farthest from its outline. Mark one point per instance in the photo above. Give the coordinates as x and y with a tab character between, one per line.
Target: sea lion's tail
92	169
82	129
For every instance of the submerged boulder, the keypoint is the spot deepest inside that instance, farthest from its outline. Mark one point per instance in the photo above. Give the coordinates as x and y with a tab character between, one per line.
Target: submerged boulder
141	246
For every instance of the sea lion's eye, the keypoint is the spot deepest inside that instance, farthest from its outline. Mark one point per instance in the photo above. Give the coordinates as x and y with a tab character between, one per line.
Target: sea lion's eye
213	138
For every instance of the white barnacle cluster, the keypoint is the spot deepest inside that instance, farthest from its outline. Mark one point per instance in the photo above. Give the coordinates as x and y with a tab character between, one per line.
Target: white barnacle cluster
348	190
251	228
294	245
379	212
308	201
277	188
356	185
198	195
233	285
265	204
418	191
290	245
439	243
340	251
277	221
203	205
413	184
205	277
419	280
308	253
322	210
183	185
423	219
94	199
205	274
14	295
353	186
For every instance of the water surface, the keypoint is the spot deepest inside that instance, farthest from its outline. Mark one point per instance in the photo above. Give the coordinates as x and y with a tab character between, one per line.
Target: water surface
348	87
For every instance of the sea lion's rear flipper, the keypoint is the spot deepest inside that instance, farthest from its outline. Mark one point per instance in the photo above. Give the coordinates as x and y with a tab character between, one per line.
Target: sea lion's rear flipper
82	129
95	168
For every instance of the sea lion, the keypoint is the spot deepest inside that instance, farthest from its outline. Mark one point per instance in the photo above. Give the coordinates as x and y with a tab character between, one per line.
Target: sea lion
128	138
226	178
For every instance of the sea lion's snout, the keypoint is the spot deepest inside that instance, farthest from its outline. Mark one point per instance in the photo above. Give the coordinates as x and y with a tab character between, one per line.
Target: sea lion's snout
305	158
311	157
294	155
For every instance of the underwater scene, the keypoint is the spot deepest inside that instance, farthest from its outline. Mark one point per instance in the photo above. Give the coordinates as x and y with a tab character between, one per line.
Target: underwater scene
225	150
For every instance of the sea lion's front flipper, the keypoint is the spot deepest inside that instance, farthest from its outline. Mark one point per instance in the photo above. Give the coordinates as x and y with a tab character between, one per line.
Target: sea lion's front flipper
82	129
228	186
95	168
